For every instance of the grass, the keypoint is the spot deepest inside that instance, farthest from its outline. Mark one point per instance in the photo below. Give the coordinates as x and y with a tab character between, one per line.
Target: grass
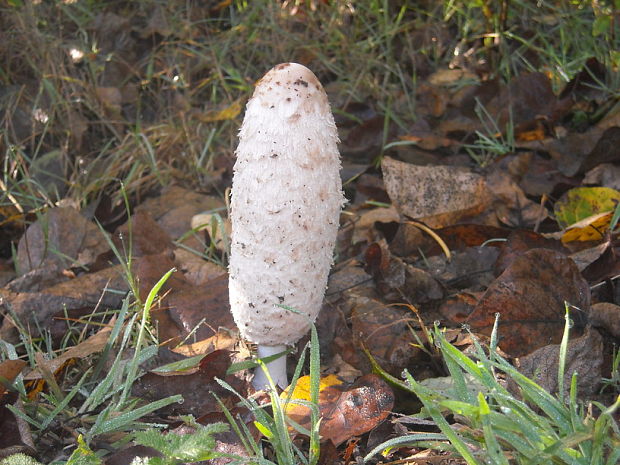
93	109
500	426
90	117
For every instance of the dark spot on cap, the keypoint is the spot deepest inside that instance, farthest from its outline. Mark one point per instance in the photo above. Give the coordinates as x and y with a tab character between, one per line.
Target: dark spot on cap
288	99
301	82
283	65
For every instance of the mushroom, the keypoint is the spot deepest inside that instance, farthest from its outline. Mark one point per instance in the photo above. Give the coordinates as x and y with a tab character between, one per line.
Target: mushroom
285	207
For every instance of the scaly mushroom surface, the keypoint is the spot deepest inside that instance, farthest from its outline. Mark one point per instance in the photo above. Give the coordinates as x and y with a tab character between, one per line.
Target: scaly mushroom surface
285	207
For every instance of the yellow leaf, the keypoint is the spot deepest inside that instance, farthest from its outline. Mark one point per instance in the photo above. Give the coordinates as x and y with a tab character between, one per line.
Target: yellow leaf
589	229
302	387
228	113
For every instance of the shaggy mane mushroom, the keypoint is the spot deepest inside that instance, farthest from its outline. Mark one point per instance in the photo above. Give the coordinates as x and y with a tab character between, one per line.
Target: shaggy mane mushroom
285	207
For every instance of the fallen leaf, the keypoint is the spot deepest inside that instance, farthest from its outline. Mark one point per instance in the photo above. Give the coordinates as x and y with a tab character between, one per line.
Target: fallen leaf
604	175
586	257
427	192
605	267
9	369
223	339
365	225
60	237
195	269
174	208
345	411
584	357
457	308
512	207
365	140
526	98
89	346
592	228
451	77
605	150
582	202
146	236
197	386
217	228
103	289
519	242
111	99
530	297
184	308
384	331
228	113
606	316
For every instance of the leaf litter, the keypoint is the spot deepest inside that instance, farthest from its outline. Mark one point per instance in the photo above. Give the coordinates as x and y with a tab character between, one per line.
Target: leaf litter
498	170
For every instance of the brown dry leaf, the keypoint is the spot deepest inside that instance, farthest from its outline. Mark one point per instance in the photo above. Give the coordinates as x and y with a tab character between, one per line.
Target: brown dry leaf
174	208
428	140
529	296
396	279
364	226
586	257
157	23
606	316
605	175
111	98
195	269
606	266
451	76
584	357
512	207
572	151
457	308
469	268
89	346
216	228
345	411
536	175
205	309
184	307
223	340
228	113
87	291
147	237
385	333
519	242
605	150
9	369
462	236
61	237
440	195
127	454
527	98
196	386
432	100
366	139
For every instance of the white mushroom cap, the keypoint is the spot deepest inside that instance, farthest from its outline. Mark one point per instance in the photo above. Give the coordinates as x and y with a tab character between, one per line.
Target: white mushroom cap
285	206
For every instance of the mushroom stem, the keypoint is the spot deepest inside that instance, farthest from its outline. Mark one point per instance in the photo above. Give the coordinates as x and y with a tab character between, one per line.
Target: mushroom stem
276	368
